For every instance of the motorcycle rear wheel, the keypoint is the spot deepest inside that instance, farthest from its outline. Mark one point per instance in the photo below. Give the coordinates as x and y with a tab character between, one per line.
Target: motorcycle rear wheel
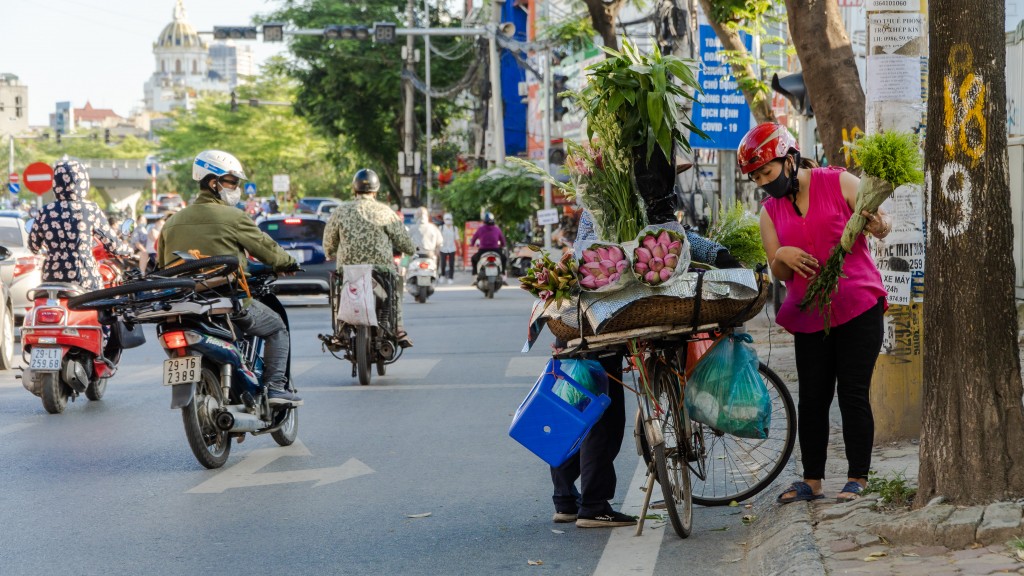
53	392
97	387
362	344
289	430
210	445
421	294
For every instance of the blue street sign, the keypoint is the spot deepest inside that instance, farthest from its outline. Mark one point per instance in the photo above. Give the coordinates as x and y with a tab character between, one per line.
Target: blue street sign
152	169
722	111
250	188
13	187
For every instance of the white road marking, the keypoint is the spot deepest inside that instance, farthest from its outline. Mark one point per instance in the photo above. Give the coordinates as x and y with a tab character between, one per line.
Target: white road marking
12	428
411	369
525	366
388	387
626	553
246	473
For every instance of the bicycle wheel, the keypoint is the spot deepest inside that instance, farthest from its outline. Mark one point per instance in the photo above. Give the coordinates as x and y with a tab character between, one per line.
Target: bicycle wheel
200	269
670	455
135	292
731	469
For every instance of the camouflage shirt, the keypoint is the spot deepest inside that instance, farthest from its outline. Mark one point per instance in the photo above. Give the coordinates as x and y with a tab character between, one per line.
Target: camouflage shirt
365	231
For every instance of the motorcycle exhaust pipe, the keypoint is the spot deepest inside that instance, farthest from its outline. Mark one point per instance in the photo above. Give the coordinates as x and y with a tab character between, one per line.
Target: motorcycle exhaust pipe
232	421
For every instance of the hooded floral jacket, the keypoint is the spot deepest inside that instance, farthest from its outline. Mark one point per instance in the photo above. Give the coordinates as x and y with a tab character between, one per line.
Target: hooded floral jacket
65	230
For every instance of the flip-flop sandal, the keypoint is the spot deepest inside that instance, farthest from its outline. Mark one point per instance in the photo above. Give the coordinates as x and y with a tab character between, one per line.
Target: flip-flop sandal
804	493
851	487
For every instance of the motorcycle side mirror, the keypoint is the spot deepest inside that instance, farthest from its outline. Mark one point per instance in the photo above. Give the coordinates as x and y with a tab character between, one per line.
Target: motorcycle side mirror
127	226
29	223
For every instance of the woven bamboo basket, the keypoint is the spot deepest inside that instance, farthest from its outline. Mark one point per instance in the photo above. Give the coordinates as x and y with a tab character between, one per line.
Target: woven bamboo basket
671	310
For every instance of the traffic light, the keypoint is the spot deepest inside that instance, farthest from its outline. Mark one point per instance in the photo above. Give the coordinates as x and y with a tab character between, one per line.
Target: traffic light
793	88
339	32
273	32
58	136
234	102
234	32
106	136
558	88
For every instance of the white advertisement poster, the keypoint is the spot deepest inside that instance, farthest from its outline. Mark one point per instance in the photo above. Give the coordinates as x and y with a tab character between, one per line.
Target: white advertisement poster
897	284
892	31
887	77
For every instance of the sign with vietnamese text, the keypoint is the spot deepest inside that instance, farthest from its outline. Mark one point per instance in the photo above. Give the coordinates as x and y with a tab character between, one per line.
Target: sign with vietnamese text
281	183
897	284
549	216
721	111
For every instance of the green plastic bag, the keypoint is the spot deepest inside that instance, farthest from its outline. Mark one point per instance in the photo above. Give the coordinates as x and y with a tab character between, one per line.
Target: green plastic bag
587	373
725	390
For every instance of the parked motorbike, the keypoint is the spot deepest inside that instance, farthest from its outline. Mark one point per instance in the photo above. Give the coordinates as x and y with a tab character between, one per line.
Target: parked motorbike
489	273
214	370
520	263
364	346
421	276
71	352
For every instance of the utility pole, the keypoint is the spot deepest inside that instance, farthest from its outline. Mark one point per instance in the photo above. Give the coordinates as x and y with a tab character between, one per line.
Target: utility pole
497	114
545	91
426	59
408	136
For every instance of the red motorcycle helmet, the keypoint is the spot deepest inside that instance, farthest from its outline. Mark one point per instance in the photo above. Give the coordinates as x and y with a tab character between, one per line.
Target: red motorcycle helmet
762	144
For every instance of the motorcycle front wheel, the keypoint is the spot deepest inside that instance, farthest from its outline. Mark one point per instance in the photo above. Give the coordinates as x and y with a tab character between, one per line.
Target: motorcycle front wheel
210	445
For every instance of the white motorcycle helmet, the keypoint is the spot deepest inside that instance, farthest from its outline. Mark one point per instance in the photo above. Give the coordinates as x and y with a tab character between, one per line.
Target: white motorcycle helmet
218	163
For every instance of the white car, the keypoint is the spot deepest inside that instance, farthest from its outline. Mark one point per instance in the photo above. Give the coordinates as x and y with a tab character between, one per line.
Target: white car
324	209
23	270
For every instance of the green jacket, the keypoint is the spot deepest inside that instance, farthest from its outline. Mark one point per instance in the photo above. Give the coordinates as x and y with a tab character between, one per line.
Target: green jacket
216	229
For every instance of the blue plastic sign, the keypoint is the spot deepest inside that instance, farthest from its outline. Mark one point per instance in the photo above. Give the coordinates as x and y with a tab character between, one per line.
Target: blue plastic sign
13	187
250	188
152	168
722	111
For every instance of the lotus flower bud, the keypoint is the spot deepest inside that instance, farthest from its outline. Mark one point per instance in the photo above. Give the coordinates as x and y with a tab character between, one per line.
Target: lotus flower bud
614	278
621	266
589	256
607	264
643	254
641	267
600	282
671	261
658	251
588	282
649	242
675	247
651	277
656	264
665	274
615	254
602	253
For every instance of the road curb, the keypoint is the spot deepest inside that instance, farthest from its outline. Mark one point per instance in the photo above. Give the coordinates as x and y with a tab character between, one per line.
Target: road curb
783	541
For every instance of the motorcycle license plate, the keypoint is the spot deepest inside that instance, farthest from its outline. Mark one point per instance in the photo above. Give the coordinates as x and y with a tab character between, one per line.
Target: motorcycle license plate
182	370
491	271
45	358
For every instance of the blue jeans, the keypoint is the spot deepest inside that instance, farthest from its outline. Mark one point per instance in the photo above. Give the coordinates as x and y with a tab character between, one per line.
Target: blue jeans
259	320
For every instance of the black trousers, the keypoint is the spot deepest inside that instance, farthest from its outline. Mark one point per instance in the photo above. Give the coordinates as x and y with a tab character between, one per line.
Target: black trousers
842	363
447	265
594	464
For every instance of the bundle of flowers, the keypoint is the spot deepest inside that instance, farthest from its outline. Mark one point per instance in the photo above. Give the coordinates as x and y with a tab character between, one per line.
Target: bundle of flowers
658	255
889	160
549	280
601	267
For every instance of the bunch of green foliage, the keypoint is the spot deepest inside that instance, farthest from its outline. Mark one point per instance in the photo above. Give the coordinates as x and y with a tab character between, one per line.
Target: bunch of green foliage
895	491
740	232
891	156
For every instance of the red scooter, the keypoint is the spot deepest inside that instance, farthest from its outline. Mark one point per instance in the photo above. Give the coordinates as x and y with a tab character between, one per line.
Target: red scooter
68	351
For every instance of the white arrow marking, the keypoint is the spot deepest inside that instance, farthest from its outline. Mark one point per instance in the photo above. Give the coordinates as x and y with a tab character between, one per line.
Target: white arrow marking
245	473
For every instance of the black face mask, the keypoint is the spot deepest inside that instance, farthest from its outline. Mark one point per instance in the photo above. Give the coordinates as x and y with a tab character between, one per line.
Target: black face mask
783	184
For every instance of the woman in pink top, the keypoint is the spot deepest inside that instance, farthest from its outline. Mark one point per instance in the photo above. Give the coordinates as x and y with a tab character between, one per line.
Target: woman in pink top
802	220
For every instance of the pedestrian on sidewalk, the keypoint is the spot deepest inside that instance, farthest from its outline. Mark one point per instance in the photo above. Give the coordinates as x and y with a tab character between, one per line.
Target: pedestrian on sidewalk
449	247
801	221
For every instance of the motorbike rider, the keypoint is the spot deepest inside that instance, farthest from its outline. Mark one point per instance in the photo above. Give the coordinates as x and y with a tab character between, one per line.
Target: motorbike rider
213	226
66	227
488	237
426	236
366	231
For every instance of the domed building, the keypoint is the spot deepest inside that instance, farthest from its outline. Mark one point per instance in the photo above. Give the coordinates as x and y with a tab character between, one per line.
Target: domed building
186	65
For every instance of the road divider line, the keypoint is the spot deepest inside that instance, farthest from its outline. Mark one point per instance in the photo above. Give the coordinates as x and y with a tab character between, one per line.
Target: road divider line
525	366
625	552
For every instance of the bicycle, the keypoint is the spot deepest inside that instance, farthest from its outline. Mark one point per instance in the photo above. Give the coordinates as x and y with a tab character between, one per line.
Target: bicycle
692	462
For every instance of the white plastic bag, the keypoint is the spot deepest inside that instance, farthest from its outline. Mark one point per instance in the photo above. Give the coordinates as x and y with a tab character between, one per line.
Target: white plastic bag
356	303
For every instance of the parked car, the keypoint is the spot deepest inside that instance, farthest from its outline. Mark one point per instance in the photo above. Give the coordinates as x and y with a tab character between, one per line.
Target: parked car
323	211
169	203
302	236
309	204
23	270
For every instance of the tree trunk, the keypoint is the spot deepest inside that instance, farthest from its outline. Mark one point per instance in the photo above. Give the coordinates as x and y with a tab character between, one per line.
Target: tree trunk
760	104
603	14
972	440
830	71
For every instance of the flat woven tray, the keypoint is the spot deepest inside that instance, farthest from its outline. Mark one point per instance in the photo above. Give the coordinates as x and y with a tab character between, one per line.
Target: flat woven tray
670	310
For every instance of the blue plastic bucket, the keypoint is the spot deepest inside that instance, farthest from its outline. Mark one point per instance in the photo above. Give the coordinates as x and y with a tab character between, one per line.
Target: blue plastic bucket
549	426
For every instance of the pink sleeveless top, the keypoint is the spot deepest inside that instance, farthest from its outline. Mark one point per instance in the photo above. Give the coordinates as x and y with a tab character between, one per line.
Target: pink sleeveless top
817	233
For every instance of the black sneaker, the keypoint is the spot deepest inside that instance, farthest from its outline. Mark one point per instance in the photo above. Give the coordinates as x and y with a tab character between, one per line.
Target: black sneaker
279	396
607	520
563	517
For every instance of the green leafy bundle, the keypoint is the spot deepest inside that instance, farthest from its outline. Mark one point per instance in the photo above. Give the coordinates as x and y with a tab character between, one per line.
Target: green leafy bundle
889	160
740	232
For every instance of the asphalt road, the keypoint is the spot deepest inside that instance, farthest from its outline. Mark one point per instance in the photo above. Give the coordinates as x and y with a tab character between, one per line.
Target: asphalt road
414	474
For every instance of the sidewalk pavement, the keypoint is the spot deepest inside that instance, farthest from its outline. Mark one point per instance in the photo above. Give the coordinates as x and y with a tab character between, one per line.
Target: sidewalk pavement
867	536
